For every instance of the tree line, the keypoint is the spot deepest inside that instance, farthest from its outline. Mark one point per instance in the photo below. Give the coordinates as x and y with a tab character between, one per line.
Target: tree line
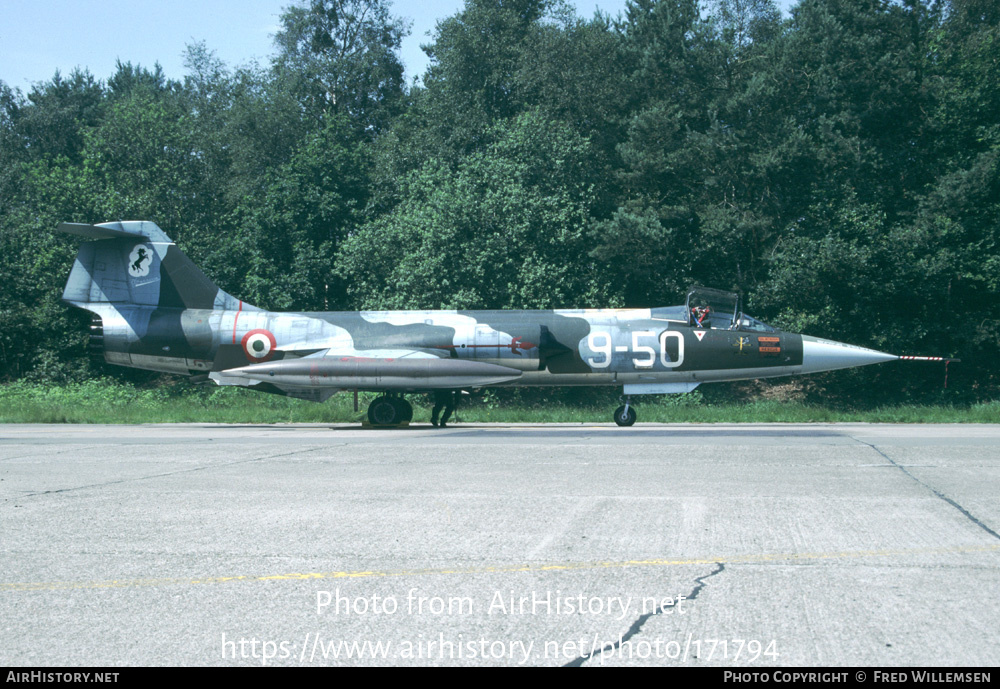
838	167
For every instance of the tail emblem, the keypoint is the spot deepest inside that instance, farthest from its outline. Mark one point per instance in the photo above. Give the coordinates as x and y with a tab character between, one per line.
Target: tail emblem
139	261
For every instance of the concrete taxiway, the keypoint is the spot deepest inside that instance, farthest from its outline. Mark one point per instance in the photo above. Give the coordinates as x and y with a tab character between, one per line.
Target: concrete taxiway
681	545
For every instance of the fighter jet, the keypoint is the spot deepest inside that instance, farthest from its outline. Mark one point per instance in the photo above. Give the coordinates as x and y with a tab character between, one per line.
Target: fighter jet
154	309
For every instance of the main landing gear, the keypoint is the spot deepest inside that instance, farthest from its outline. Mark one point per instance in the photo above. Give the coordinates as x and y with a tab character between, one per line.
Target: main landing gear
625	414
389	410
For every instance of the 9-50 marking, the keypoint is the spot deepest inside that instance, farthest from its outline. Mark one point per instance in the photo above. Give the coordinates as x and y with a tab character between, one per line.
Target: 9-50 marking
600	342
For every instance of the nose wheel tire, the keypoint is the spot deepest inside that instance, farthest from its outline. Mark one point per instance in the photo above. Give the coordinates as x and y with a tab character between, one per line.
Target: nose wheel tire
625	415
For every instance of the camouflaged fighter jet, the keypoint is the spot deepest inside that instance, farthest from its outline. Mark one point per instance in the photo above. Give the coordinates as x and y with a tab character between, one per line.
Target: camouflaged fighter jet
154	309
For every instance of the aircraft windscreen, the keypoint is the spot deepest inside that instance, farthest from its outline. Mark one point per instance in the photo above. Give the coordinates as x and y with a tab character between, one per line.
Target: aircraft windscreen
751	324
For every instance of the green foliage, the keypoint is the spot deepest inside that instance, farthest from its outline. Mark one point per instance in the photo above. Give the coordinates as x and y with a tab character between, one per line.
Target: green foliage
58	113
292	229
507	229
342	57
106	401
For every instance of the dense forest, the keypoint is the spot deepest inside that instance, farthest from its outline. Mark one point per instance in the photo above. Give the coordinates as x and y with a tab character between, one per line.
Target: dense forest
839	167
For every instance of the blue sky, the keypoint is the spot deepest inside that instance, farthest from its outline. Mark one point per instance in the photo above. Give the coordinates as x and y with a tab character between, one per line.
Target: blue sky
37	37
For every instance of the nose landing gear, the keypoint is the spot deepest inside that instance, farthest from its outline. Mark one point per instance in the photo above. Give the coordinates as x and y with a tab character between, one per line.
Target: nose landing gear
625	415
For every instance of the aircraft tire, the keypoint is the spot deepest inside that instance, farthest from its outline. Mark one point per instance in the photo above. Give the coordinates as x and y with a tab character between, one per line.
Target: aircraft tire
383	412
623	419
404	408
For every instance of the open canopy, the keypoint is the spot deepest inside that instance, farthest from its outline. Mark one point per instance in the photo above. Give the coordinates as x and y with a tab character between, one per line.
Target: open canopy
713	308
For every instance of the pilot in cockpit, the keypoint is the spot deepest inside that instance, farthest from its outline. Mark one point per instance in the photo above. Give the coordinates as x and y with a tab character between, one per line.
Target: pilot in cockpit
699	314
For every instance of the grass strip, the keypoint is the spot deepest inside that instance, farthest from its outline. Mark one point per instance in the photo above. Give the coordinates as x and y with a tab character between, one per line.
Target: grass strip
103	402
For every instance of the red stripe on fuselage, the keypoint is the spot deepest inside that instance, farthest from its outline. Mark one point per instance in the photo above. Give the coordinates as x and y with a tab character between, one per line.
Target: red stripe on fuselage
236	319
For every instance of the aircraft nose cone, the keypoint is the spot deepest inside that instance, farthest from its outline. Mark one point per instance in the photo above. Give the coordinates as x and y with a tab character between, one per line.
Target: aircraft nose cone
827	355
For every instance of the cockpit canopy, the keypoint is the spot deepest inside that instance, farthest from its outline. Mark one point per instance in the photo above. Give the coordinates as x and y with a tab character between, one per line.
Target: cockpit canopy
713	308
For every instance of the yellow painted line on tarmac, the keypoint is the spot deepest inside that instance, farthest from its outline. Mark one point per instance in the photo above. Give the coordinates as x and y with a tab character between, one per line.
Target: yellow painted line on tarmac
495	569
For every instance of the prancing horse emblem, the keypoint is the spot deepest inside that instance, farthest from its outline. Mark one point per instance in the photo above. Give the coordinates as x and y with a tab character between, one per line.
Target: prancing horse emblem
139	261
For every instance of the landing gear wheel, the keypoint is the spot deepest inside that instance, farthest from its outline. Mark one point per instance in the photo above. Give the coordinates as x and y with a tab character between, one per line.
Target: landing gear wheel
623	417
384	412
404	408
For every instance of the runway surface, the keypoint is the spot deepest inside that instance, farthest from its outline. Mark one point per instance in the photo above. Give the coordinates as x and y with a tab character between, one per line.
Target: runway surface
685	545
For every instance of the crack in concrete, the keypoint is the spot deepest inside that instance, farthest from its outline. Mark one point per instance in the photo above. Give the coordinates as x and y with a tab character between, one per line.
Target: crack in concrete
35	494
637	625
934	490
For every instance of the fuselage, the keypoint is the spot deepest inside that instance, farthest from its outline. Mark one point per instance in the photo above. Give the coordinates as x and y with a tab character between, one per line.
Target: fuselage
561	347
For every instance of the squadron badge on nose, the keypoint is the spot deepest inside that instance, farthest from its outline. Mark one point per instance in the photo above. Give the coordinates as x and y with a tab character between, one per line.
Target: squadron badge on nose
742	345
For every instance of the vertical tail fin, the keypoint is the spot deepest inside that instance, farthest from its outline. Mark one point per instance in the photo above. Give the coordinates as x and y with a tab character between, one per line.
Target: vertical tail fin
136	263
